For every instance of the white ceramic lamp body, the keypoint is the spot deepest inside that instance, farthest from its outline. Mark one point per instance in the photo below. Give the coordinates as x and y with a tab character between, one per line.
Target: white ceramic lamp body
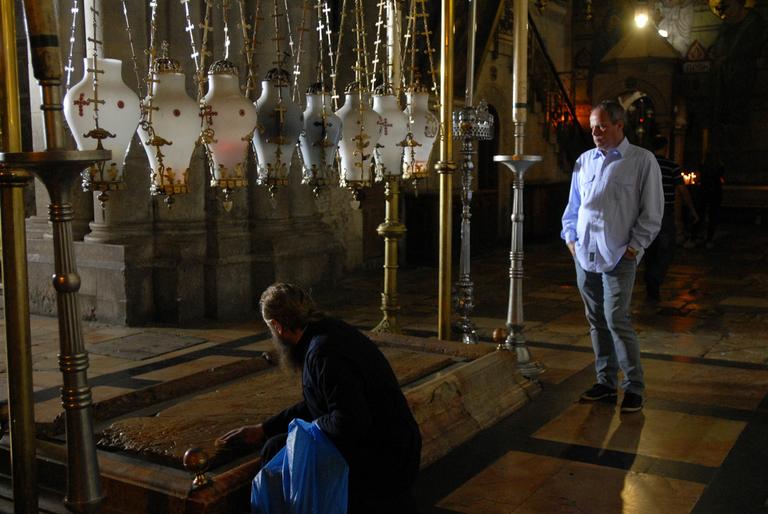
278	129
394	130
228	120
119	115
360	133
424	129
169	139
319	141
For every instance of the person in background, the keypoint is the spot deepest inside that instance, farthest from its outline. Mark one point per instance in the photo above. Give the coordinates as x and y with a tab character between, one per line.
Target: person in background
614	212
661	252
352	394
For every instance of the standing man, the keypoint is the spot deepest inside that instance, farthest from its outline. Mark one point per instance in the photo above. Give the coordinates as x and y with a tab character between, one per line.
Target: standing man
351	393
614	212
662	250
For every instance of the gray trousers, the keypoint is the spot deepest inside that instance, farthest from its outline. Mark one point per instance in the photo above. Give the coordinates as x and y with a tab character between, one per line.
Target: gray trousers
607	297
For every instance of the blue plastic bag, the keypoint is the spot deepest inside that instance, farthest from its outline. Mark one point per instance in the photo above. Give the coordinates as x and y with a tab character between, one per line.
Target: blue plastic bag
313	475
267	487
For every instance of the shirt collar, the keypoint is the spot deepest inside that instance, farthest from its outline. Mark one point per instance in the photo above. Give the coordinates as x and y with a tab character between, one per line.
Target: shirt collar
621	150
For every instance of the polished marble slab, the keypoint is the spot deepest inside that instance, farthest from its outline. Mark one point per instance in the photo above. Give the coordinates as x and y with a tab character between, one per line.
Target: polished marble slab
523	483
705	385
674	436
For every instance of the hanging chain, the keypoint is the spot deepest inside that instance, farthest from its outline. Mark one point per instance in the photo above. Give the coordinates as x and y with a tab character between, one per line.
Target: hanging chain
279	57
98	133
380	22
69	68
248	48
410	44
429	50
225	19
331	58
335	60
190	29
204	52
134	61
299	50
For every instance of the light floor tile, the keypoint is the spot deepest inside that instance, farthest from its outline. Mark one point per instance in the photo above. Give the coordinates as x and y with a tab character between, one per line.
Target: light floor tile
662	434
523	483
705	385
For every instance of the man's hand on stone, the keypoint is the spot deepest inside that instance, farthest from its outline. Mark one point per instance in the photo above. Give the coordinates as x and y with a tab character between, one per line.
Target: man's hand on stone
247	435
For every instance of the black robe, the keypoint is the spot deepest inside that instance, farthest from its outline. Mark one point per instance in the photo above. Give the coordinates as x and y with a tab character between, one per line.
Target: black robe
351	391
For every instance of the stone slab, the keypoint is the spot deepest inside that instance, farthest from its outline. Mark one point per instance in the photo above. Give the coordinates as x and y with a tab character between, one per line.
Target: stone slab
143	345
199	420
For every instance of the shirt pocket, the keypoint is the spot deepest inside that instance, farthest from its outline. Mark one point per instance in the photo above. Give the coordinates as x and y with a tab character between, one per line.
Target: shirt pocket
586	185
624	194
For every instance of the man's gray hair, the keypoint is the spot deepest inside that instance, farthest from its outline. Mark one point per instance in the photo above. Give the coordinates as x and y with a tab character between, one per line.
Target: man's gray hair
616	112
288	304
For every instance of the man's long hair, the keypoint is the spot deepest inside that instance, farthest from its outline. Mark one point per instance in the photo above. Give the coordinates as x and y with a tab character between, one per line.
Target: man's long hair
289	305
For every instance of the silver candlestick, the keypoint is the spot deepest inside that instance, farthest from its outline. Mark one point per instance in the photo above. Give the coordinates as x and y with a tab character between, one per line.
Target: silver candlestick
515	339
470	124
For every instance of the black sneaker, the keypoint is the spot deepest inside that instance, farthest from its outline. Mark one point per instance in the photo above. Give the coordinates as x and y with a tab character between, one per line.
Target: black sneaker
598	392
632	402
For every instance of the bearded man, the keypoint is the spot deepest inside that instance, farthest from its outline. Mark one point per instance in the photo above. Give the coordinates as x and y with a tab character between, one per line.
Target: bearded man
352	394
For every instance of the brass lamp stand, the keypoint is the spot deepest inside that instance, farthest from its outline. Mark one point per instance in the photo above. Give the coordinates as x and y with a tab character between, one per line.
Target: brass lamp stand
60	169
391	230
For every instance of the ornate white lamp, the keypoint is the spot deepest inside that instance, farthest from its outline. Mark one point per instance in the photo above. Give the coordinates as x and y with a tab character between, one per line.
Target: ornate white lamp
105	114
278	129
394	130
360	134
170	128
423	129
319	141
229	119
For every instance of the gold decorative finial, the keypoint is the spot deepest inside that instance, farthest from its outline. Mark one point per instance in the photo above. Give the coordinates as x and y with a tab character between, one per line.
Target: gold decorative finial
196	461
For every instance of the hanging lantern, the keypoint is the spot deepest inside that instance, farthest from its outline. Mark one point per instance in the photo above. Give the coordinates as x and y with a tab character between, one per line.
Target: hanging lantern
360	134
394	130
170	128
229	119
278	129
319	141
423	129
106	116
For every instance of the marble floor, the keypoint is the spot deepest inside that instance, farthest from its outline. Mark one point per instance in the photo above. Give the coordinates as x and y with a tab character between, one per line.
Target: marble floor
700	444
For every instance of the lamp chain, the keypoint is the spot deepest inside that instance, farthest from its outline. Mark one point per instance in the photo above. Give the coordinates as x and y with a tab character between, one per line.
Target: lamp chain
225	20
380	23
299	49
249	44
75	10
335	60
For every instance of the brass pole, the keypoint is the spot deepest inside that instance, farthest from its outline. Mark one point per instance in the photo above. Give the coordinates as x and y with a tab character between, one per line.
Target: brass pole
59	169
391	230
18	343
445	168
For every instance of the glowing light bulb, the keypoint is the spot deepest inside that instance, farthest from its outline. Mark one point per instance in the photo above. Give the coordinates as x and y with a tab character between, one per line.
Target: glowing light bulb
641	19
663	33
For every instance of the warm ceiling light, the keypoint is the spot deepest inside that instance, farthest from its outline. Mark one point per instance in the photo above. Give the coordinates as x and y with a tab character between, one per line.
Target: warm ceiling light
641	18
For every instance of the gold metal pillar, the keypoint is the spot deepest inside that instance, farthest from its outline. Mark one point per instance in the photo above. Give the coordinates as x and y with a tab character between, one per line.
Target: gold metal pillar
18	341
445	168
59	169
391	230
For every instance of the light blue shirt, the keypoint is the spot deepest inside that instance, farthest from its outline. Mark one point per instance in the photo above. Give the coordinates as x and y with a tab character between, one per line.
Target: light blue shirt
616	201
